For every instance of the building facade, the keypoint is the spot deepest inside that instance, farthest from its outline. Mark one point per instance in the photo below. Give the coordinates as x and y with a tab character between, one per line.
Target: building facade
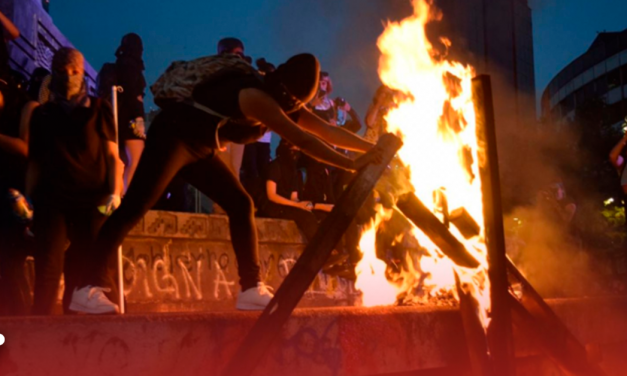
495	37
599	73
39	37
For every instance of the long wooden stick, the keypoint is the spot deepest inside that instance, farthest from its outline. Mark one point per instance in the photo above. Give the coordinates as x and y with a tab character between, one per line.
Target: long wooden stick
268	326
419	215
500	336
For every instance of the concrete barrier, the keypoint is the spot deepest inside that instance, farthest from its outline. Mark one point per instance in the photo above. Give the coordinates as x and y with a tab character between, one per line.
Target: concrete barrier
316	341
181	262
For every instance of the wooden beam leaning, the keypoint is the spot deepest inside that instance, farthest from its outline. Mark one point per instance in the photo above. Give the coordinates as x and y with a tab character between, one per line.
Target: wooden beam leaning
476	339
419	215
500	336
531	314
268	326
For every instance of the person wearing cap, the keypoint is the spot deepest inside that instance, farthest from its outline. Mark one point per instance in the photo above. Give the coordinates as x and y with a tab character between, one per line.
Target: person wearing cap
183	140
74	177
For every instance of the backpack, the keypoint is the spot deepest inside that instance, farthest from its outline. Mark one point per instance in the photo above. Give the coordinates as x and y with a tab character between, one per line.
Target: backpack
107	78
177	83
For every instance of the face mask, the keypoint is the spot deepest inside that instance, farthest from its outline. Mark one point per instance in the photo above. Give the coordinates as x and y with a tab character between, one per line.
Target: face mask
68	86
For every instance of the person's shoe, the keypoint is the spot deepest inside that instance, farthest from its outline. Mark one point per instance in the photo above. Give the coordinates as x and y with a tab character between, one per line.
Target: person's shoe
254	298
91	299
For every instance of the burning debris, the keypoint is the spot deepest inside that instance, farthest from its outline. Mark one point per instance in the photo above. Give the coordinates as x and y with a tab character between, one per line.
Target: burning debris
433	184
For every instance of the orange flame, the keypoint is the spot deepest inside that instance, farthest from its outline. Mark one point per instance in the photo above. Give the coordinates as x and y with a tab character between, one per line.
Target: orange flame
436	119
370	272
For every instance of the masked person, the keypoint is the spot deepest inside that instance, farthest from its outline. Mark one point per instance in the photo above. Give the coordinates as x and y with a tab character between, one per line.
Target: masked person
129	69
232	106
74	178
15	213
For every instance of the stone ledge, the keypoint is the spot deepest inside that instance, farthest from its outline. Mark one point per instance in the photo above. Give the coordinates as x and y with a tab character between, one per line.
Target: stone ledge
163	224
328	341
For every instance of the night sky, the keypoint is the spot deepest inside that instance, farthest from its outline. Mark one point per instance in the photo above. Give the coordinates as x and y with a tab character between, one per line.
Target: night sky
340	32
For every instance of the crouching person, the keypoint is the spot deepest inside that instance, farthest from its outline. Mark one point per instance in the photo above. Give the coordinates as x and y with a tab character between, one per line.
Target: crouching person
73	179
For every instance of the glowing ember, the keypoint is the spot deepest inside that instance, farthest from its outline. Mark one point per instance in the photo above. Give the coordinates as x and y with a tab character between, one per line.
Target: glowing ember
435	117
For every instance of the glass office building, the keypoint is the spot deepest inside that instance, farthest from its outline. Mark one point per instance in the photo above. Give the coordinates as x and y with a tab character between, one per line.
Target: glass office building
600	73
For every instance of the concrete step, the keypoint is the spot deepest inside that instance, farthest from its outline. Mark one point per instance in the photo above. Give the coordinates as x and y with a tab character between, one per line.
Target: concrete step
182	262
316	341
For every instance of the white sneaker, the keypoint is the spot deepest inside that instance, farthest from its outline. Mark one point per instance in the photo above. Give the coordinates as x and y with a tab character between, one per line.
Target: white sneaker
91	299
255	298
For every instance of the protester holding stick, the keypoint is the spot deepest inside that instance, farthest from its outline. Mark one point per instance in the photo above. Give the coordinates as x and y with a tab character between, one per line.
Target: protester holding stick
234	104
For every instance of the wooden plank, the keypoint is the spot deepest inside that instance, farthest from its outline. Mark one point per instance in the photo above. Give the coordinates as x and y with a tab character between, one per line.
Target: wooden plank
268	326
476	339
419	215
531	314
500	336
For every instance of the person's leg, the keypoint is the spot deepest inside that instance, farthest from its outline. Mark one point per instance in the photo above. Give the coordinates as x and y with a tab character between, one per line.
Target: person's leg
50	230
305	220
263	157
213	178
14	293
160	162
133	151
249	163
84	225
237	153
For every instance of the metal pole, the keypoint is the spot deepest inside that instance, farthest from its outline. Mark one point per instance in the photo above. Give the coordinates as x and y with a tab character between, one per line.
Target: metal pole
500	329
114	102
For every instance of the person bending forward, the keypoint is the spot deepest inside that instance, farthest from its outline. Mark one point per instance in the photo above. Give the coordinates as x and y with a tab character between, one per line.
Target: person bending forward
183	140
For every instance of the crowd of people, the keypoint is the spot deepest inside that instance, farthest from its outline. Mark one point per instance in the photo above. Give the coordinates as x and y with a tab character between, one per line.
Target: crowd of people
76	178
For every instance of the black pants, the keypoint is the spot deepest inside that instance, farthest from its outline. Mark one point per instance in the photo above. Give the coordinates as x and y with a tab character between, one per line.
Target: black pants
54	226
14	290
164	158
255	160
307	221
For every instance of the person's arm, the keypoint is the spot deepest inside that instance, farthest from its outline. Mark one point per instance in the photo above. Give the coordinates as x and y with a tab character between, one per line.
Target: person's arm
257	105
332	134
13	145
354	124
278	199
371	115
323	207
616	150
32	177
114	170
11	31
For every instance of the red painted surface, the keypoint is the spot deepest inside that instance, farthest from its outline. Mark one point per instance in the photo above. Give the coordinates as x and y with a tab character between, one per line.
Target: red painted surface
329	341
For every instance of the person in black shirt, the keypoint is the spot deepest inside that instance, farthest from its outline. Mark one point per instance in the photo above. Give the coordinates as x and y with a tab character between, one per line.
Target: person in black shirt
183	140
15	112
129	68
74	178
282	187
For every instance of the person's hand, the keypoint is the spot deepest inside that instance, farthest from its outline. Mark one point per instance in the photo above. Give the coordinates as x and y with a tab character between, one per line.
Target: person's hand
113	202
305	205
324	207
